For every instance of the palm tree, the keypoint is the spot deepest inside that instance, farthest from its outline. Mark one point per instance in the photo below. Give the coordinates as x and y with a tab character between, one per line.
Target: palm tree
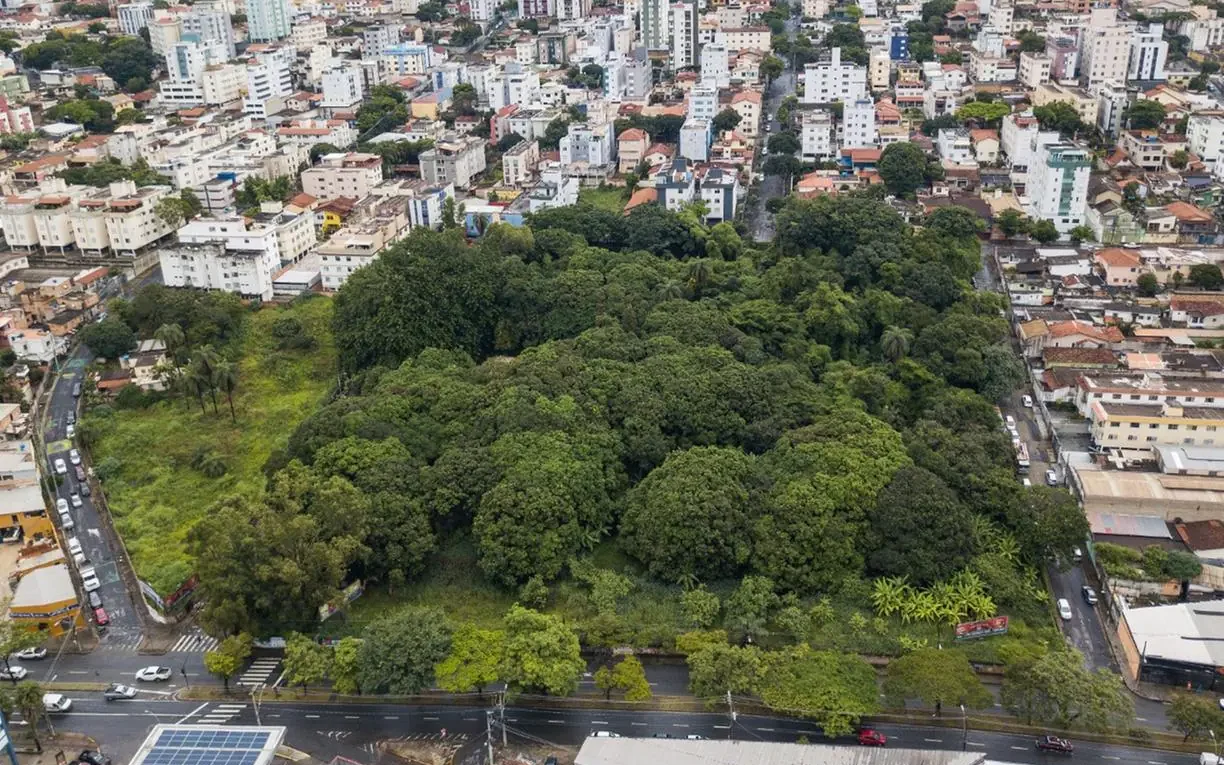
698	276
27	698
192	386
671	290
171	335
225	377
205	368
895	343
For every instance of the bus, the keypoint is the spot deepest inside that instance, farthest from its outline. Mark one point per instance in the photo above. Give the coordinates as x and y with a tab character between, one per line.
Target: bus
1022	457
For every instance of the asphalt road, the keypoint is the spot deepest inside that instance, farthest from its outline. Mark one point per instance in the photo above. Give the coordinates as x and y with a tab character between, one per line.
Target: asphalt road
327	730
773	186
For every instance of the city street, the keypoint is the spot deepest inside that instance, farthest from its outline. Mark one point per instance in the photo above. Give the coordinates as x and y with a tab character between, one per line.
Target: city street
772	186
327	730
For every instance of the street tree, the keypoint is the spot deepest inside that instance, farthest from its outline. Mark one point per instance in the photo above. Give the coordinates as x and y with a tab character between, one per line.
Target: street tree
306	661
346	661
935	676
109	338
1057	689
835	689
716	667
1193	716
398	653
475	660
627	676
27	699
1206	276
542	653
229	657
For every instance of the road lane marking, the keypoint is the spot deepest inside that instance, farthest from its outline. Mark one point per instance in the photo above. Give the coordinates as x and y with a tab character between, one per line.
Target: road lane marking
720	727
643	725
429	718
1153	762
312	717
391	717
192	713
933	740
975	743
1108	757
1020	748
1141	719
679	725
556	722
767	730
352	717
600	722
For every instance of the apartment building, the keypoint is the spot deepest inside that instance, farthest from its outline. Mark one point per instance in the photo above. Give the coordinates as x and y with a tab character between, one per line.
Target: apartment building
239	254
1106	48
1058	185
831	81
269	82
1084	102
268	20
1132	431
1148	53
747	104
1148	389
879	70
308	133
592	144
703	103
209	22
343	175
954	145
715	65
745	38
134	16
381	225
519	162
816	135
695	140
1205	133
684	47
343	89
455	159
1034	69
655	23
859	124
308	32
15	119
164	33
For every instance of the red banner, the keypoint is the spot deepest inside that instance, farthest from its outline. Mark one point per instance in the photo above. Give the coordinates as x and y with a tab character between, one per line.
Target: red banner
984	628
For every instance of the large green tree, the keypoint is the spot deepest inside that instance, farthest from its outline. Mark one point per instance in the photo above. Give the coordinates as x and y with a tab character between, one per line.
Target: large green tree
935	676
834	689
918	528
398	653
542	653
903	167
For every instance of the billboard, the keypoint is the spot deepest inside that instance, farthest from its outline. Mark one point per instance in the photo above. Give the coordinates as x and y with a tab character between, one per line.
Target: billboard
347	595
985	628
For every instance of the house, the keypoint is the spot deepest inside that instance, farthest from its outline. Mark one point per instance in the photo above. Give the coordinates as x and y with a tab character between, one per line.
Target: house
632	145
1119	267
1197	311
985	145
1079	358
1194	224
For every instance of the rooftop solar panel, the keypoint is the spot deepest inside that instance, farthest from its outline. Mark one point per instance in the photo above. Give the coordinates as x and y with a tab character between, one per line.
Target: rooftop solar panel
209	745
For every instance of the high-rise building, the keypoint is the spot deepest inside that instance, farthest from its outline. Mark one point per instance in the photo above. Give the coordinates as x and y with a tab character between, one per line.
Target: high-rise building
831	81
529	9
569	10
1058	184
269	82
715	65
342	88
858	124
376	39
703	103
1106	48
163	33
210	22
268	20
684	34
1148	53
134	17
482	10
656	24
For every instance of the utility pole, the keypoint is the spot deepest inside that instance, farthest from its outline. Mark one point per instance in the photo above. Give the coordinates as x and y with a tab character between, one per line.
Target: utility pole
489	733
964	729
501	714
731	711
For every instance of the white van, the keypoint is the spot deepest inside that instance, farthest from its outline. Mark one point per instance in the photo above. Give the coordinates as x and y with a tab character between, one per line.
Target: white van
1064	609
56	702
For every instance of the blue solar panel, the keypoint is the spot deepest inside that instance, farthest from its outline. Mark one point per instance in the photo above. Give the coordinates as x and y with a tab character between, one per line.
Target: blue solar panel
207	747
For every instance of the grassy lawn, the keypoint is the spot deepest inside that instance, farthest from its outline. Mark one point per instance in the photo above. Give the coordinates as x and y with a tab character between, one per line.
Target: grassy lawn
611	198
156	495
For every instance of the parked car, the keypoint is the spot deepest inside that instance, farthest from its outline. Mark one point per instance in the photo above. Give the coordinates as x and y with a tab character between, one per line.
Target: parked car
31	653
604	734
1064	609
101	618
153	674
1026	483
1011	422
116	692
1090	596
1055	744
95	600
80	473
61	505
71	418
1052	477
56	702
90	757
75	499
70	431
85	490
61	467
1027	401
74	457
870	737
1077	555
76	390
89	579
14	672
695	737
67	522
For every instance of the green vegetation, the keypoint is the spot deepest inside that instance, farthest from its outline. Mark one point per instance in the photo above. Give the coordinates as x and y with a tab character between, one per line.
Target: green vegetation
147	455
127	60
610	198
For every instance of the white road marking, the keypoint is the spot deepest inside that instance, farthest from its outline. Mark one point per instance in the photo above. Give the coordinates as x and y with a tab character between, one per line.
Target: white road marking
556	722
643	725
600	722
352	717
1153	762
1020	748
679	725
933	740
1141	719
192	713
975	743
429	718
76	672
312	717
391	717
1108	757
767	730
720	727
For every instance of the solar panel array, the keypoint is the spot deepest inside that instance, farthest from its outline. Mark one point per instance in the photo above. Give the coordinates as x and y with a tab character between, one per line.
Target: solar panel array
207	747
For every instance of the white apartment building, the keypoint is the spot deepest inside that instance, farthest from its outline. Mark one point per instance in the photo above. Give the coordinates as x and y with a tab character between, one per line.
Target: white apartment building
343	88
519	162
1113	99
482	10
1106	48
953	145
209	21
1148	53
15	119
343	175
695	140
307	32
198	76
309	133
684	34
816	135
656	24
593	144
1058	185
715	65
745	38
1034	69
572	10
703	103
859	124
268	20
831	81
269	82
37	344
375	39
816	9
1205	30
135	16
164	33
1205	134
456	159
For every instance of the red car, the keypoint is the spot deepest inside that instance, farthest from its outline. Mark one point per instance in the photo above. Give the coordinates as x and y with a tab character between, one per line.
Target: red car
100	617
1055	744
869	737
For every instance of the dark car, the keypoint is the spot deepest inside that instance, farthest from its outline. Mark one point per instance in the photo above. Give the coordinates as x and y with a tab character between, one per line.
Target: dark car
1090	596
93	758
72	418
1055	744
869	737
117	692
76	390
85	490
80	473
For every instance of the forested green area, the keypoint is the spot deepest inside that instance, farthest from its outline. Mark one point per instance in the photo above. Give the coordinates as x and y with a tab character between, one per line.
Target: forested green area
599	406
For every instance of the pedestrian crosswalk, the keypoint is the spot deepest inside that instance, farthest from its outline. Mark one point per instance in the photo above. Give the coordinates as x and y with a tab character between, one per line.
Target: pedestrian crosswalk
117	643
220	714
194	641
259	672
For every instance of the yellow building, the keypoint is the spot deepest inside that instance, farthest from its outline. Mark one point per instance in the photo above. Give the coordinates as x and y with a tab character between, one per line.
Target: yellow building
1131	431
44	600
22	508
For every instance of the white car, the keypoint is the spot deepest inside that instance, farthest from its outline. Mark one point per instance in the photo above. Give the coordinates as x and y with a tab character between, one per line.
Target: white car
604	734
61	505
76	551
1027	401
56	702
31	653
1011	423
70	431
153	674
14	672
75	499
75	457
61	467
66	521
1052	477
89	579
1064	609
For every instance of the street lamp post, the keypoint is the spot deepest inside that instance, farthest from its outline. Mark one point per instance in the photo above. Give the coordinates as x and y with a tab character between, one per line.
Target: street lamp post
964	729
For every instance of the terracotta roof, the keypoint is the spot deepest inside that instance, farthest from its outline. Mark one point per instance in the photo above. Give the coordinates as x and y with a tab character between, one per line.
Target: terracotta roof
661	148
303	200
633	134
641	197
1201	535
983	135
1100	334
1204	306
673	111
1117	257
1188	212
746	95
